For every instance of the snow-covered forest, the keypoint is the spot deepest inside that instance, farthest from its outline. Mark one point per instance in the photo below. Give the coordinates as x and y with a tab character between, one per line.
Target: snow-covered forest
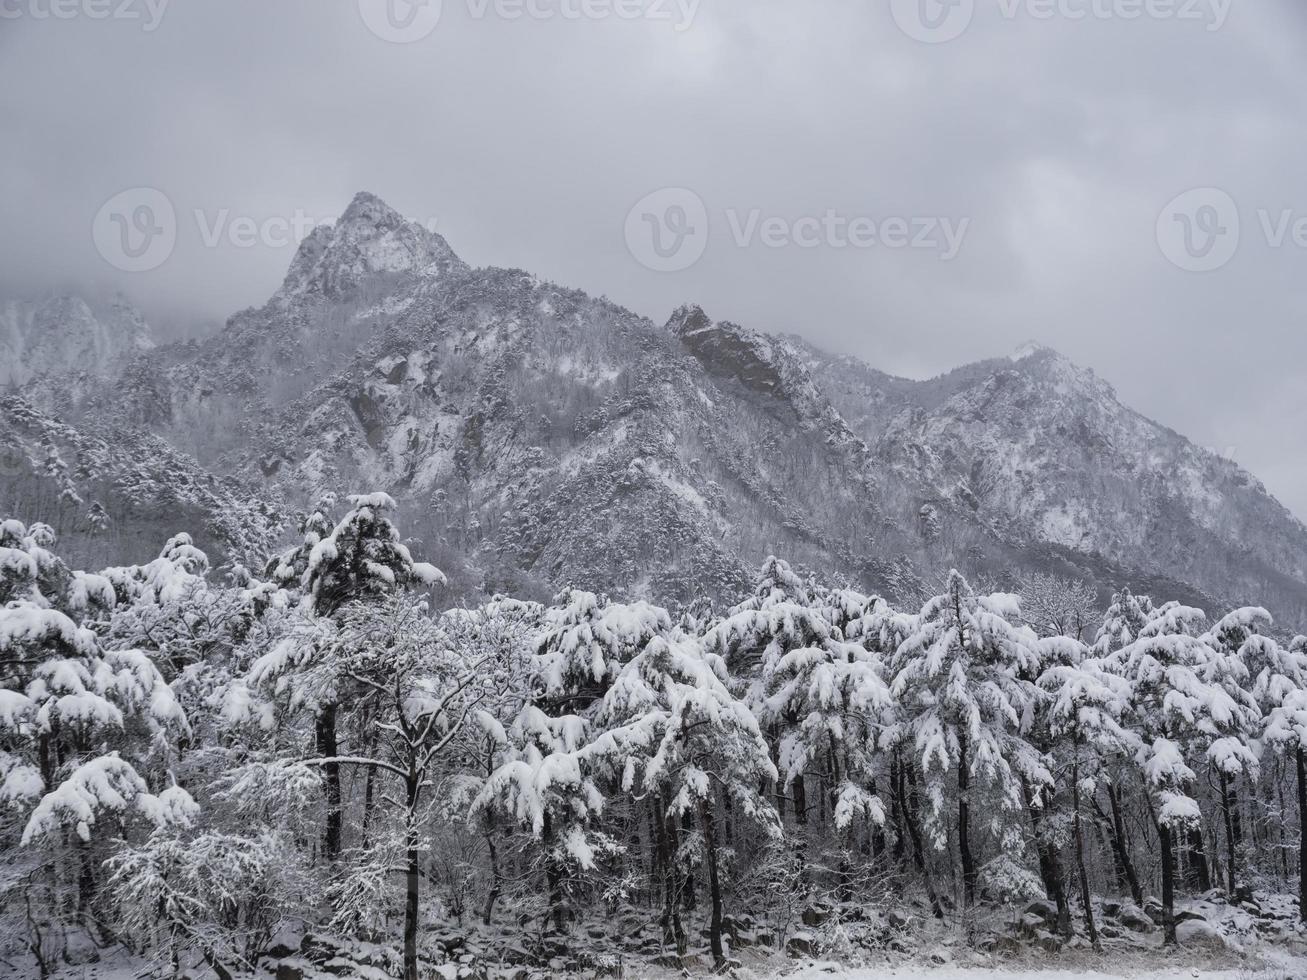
316	765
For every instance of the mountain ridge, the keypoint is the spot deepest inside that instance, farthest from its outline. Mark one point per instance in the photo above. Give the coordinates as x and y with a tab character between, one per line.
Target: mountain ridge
537	436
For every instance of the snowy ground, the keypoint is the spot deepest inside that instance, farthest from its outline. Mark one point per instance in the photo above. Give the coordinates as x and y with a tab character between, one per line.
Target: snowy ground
1034	973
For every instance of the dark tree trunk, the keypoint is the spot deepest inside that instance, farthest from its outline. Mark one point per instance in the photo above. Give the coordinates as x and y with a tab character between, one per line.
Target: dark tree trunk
1302	834
918	853
964	823
325	730
412	879
1168	886
900	821
557	914
800	802
496	877
714	886
1050	869
1198	856
673	933
367	805
1121	845
1227	806
1090	929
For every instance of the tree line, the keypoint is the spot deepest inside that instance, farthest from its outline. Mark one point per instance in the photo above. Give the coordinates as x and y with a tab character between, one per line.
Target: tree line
195	759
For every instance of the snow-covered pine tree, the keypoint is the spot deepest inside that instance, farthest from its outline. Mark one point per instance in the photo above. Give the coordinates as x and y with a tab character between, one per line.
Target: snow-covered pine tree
1279	682
1085	709
680	739
832	702
585	640
754	637
1176	713
360	559
963	701
78	724
541	784
1235	640
1123	622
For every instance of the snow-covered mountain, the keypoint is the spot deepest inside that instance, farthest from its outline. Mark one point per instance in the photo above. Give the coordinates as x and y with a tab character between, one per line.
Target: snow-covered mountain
68	334
537	436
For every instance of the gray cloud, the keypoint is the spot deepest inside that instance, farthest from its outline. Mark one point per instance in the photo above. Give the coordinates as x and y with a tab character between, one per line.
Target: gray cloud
528	140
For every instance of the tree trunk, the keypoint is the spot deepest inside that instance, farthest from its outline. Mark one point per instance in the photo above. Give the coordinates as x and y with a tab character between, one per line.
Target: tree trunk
800	801
918	853
689	894
412	879
1122	849
1085	898
714	886
1227	805
1049	866
664	841
964	823
1284	809
557	911
899	810
1198	855
496	877
1302	834
1168	886
367	805
325	730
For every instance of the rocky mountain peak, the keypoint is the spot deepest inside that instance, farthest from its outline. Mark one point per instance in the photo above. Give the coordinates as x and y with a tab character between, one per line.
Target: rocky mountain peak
370	240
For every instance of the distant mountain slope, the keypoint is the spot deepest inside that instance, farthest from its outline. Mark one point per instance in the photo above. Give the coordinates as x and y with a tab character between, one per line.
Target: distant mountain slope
68	334
1045	450
536	437
114	492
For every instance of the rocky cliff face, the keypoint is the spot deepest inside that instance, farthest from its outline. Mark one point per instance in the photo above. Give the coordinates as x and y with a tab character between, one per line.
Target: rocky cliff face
537	437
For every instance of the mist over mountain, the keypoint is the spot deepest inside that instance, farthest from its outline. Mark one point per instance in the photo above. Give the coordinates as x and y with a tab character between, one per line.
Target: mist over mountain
537	437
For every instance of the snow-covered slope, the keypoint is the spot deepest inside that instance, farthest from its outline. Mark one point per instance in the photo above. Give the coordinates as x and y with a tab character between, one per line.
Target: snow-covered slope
62	335
537	436
1043	449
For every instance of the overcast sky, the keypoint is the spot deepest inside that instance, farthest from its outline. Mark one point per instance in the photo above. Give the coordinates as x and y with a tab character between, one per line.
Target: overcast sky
1049	136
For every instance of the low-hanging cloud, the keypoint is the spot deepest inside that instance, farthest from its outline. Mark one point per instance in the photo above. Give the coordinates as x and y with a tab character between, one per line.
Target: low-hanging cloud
1062	141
